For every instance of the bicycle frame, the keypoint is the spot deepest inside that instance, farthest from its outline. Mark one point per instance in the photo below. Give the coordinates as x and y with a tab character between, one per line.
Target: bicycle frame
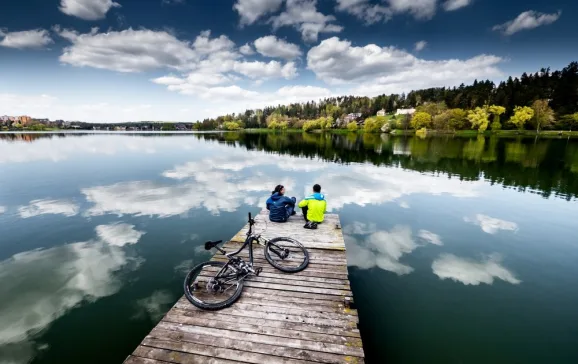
248	241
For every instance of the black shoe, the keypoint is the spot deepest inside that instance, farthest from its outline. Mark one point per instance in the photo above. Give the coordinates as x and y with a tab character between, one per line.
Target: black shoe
293	213
307	225
313	225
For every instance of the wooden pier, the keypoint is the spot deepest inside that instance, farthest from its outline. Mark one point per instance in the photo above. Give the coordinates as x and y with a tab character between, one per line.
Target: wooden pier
280	317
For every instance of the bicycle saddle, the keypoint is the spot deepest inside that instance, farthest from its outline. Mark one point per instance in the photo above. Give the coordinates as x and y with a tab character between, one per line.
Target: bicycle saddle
211	244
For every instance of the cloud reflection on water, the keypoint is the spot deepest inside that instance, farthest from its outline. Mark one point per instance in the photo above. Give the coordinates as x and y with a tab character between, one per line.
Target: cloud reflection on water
55	281
364	185
470	272
384	249
43	207
492	225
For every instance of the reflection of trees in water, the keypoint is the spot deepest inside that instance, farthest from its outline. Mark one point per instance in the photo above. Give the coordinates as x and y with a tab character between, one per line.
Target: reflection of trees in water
544	166
549	166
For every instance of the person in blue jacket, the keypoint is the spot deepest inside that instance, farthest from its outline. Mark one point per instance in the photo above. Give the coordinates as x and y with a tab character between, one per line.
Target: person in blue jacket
280	206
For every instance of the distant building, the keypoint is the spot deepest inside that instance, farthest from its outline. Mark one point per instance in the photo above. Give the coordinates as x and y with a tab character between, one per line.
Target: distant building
405	111
381	112
42	121
5	118
24	119
351	117
180	127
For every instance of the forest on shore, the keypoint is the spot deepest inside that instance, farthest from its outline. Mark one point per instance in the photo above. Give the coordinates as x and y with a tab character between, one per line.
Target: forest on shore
545	100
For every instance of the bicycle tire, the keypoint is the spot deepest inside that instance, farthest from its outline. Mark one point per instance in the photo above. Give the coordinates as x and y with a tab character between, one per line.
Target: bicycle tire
285	269
209	306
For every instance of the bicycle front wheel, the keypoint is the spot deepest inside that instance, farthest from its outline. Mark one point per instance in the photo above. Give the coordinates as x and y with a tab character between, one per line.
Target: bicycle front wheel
213	285
286	254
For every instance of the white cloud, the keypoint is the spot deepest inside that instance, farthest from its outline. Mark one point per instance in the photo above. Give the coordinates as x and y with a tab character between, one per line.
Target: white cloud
303	92
364	10
127	51
371	185
36	38
403	205
360	228
527	20
420	9
389	70
471	272
2	209
43	207
118	234
87	9
246	50
419	46
384	249
451	5
263	70
271	46
492	225
251	10
202	184
155	306
430	237
303	15
70	274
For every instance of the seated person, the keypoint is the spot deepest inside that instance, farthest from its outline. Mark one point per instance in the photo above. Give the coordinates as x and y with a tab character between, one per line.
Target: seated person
280	206
314	207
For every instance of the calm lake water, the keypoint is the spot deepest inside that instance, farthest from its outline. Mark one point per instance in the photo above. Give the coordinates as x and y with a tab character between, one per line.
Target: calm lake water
461	250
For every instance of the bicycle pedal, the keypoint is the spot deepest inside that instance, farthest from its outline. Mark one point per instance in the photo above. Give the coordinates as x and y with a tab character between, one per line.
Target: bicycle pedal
258	271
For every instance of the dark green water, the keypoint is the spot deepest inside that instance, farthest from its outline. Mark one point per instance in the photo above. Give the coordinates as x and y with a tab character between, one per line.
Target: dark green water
460	250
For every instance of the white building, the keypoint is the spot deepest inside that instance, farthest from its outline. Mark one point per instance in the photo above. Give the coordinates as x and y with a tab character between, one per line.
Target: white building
381	112
5	118
404	111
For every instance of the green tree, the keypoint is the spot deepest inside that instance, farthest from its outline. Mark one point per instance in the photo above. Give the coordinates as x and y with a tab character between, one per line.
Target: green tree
496	111
479	119
231	125
374	124
352	126
432	108
521	115
421	120
457	119
543	114
442	121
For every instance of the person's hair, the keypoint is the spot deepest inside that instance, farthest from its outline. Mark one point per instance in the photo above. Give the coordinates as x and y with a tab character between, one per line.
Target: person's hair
277	189
316	188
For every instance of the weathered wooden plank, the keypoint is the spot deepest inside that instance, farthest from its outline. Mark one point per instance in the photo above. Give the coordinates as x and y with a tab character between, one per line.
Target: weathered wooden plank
326	236
276	316
280	318
268	323
314	254
292	277
280	329
271	344
139	360
262	262
218	352
157	356
290	309
285	287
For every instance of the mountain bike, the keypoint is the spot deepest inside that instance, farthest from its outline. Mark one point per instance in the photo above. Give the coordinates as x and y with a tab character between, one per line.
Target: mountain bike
214	285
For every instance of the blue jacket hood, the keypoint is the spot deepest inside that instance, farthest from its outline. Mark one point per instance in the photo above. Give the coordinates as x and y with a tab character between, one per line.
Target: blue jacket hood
316	196
276	196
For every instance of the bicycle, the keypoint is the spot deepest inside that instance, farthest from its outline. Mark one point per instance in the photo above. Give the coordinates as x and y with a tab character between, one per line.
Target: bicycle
216	278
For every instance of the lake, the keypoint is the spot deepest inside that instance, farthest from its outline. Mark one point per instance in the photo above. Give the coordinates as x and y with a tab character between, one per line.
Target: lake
460	250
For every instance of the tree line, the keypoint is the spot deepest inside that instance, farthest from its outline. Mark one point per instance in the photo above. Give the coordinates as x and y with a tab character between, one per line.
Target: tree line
552	96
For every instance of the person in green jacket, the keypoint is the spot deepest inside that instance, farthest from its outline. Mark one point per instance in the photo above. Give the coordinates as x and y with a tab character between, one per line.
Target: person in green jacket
313	208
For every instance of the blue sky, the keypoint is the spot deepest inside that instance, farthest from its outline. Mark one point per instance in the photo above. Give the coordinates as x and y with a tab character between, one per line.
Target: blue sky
184	60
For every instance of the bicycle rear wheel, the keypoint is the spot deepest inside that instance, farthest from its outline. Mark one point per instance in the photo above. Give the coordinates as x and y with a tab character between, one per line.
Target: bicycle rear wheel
212	286
286	254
